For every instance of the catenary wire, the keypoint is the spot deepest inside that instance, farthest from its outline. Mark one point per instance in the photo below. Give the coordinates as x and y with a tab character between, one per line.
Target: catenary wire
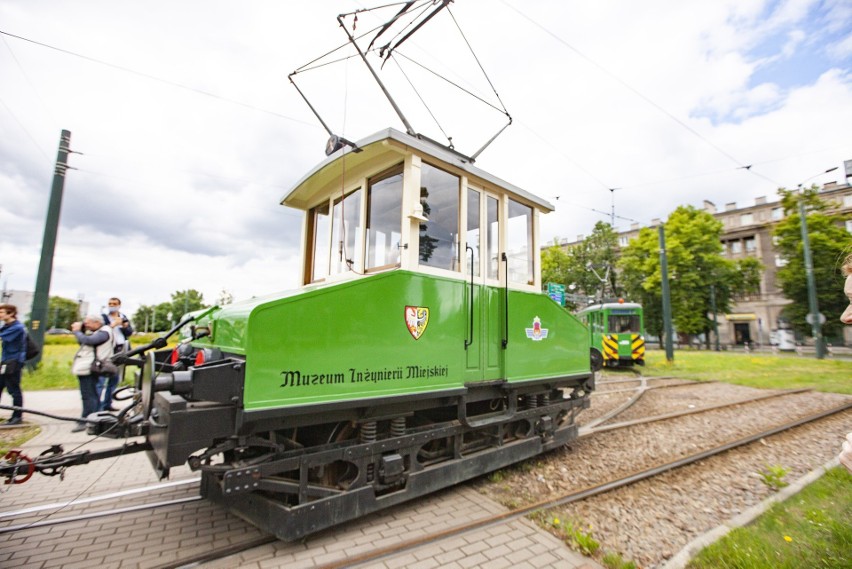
157	79
639	94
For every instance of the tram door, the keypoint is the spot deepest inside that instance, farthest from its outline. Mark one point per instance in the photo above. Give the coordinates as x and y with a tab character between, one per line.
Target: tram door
485	356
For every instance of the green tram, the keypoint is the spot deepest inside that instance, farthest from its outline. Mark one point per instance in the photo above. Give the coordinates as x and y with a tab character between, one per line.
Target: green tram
617	329
418	351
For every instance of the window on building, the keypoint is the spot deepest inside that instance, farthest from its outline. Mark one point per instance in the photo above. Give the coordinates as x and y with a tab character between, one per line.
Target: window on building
849	225
439	194
750	244
623	241
777	213
746	219
519	245
736	247
847	201
780	261
384	211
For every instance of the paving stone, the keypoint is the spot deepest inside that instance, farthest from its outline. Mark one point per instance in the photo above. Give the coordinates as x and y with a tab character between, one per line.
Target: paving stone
496	563
471	560
400	562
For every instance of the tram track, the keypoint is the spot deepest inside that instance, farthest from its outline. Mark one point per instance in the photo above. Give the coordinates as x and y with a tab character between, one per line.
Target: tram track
584	493
48	519
573	496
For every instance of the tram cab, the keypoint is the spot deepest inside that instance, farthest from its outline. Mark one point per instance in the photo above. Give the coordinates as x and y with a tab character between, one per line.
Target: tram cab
451	254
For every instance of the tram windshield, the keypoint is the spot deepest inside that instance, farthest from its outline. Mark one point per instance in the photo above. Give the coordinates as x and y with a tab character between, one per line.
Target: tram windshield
624	323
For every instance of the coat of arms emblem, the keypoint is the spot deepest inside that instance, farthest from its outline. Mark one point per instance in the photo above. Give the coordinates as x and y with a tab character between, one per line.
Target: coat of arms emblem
536	333
416	320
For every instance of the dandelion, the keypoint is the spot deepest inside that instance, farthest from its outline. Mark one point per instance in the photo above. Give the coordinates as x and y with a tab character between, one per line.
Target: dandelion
788	539
556	521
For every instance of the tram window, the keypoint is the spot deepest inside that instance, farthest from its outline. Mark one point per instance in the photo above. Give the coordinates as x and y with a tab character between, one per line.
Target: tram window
346	233
623	323
319	230
519	243
493	238
473	230
439	194
384	212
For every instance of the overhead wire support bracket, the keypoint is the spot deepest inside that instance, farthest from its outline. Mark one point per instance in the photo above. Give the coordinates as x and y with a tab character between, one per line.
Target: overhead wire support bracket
408	127
490	140
387	50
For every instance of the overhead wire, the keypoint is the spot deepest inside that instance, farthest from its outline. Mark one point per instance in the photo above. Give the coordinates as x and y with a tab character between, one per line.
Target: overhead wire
26	77
740	164
26	131
473	53
428	109
157	79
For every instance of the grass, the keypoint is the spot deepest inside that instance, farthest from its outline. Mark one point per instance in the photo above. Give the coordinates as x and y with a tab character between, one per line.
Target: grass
54	371
755	370
810	530
14	437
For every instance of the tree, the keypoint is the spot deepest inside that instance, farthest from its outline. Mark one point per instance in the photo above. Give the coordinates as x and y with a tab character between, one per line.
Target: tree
695	264
186	301
573	267
830	243
156	317
61	312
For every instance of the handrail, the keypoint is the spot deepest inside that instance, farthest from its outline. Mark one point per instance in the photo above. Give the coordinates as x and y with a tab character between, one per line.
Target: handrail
505	260
468	342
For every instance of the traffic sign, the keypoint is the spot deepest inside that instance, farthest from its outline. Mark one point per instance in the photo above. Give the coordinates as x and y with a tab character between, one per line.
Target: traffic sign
556	291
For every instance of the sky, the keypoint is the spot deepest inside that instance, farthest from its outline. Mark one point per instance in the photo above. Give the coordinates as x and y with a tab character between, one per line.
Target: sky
189	131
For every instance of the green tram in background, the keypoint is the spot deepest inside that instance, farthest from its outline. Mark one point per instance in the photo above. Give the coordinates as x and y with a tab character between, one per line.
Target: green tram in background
617	329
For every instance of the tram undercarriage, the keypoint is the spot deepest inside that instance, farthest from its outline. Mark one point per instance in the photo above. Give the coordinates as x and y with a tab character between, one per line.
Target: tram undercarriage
292	490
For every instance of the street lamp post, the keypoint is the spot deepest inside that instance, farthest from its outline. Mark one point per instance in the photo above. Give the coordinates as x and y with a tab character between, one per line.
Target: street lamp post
715	318
814	317
813	306
667	301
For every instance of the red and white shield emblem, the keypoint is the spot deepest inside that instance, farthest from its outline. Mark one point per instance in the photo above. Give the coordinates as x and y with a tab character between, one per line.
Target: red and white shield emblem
416	320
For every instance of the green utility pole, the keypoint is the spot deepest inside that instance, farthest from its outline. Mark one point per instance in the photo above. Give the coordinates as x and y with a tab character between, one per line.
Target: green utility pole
38	314
715	319
667	300
814	318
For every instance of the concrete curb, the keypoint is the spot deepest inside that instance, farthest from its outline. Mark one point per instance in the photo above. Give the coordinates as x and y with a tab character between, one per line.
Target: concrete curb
692	548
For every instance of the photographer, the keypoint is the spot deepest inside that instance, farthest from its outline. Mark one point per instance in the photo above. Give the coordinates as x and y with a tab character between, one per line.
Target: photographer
14	339
96	345
122	330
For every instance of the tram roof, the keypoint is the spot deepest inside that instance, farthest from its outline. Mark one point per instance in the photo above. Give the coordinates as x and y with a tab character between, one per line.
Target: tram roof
611	305
376	145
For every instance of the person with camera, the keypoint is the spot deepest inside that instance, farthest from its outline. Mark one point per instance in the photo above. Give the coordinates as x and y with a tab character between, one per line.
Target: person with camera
122	330
14	338
96	347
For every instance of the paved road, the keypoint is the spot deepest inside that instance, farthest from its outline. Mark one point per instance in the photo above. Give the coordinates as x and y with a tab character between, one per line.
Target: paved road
151	538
